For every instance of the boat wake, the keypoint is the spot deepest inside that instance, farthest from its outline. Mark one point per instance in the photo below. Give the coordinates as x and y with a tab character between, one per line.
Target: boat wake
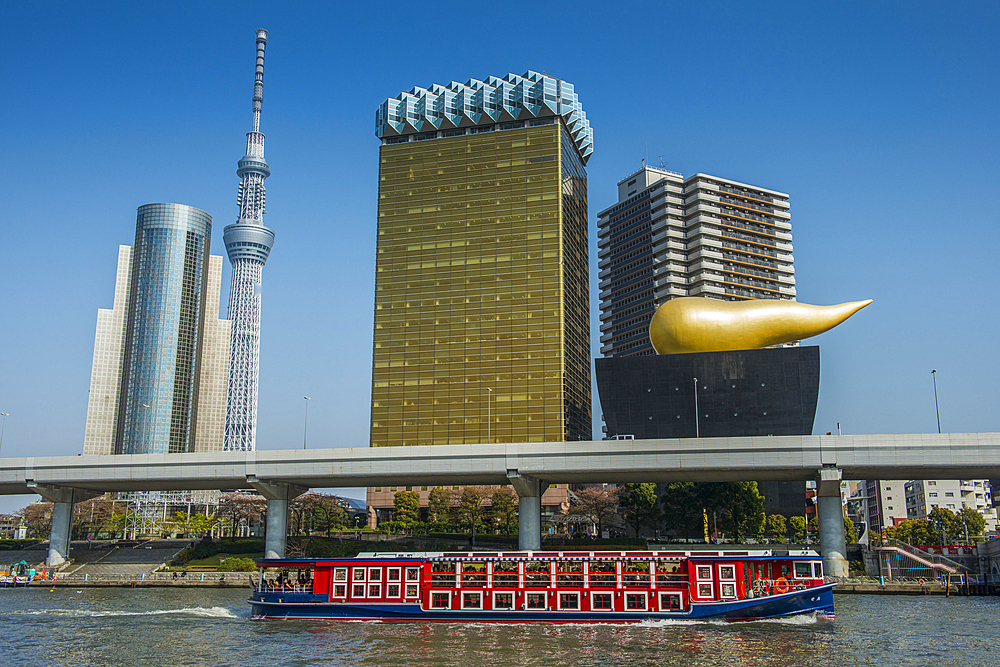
801	619
205	612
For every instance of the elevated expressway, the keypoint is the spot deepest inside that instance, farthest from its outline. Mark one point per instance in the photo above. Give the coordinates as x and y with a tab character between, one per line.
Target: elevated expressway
281	475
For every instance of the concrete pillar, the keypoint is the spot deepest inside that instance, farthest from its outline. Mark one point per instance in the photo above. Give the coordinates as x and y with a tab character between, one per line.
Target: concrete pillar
278	494
529	510
830	514
62	524
62	499
277	528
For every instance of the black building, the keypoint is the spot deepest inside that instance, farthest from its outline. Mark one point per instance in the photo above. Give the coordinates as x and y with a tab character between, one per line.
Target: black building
772	391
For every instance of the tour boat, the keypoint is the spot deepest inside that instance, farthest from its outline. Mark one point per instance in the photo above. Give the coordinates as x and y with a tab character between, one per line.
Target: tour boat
553	587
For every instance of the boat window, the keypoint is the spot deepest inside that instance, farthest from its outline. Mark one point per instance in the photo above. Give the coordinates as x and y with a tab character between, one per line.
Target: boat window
600	601
474	573
704	590
413	574
359	574
785	570
727	572
704	571
667	572
635	573
392	591
818	570
503	600
358	591
443	574
505	573
394	574
803	570
440	600
443	567
340	591
728	590
569	600
472	600
535	600
603	573
670	601
375	574
635	601
536	573
374	591
340	574
411	590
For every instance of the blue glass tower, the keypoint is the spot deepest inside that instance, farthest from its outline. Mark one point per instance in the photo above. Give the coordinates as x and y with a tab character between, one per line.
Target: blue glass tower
157	410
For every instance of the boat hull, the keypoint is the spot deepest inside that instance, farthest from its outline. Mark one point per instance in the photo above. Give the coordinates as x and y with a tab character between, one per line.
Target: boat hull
818	600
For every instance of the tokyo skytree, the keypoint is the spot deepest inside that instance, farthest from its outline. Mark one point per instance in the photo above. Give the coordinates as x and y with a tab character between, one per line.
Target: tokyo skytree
248	243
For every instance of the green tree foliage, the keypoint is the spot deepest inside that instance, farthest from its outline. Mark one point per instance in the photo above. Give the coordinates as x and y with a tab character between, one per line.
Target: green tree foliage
504	509
439	504
406	507
850	532
330	513
470	507
777	528
971	519
638	506
798	528
682	509
742	509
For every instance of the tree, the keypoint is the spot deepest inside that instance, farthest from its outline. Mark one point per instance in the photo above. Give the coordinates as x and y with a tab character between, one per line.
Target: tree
235	509
300	513
638	505
92	517
38	518
331	512
683	508
742	509
470	508
971	520
439	504
777	527
798	527
406	506
850	532
596	503
504	508
943	521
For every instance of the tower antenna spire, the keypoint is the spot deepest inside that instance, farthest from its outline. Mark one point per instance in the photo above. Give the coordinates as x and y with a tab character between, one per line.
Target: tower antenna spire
258	83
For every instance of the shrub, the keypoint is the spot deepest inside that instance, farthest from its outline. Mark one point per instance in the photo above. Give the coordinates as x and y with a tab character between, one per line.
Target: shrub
237	565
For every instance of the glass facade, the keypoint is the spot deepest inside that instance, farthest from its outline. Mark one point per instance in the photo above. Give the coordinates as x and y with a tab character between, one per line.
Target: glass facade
481	306
160	373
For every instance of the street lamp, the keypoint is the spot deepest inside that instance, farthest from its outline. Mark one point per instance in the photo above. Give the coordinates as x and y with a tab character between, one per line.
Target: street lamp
936	409
489	415
305	425
697	423
3	422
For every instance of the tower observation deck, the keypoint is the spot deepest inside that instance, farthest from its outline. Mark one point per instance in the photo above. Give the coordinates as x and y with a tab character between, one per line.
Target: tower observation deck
248	244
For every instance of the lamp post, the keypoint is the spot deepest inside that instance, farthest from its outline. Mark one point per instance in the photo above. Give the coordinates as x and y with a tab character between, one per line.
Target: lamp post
3	422
489	416
305	424
937	411
697	424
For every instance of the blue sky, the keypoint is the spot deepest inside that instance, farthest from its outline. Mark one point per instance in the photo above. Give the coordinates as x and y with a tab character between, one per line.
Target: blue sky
878	118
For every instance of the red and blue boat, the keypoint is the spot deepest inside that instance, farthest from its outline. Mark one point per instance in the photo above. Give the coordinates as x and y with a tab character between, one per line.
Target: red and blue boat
547	587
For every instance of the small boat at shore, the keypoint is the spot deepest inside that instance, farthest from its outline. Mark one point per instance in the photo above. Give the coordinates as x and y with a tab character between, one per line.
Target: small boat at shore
545	586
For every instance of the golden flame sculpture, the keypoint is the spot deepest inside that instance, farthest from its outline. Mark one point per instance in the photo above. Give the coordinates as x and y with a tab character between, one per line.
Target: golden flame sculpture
697	324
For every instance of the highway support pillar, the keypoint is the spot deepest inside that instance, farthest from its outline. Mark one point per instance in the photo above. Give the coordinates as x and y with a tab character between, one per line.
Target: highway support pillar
62	499
529	509
830	513
278	494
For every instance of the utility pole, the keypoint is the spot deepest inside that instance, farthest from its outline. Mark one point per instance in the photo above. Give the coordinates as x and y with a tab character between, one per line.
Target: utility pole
937	411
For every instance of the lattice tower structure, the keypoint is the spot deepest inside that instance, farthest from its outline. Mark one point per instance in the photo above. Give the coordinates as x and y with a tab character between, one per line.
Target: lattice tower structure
248	244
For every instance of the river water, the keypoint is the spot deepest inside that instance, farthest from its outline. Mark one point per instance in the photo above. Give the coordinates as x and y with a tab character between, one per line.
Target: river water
178	627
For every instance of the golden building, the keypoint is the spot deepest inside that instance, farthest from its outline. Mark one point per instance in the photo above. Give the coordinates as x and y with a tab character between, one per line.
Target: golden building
481	290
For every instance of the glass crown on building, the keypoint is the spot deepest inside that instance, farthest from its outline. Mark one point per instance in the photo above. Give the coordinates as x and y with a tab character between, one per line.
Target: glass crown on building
478	103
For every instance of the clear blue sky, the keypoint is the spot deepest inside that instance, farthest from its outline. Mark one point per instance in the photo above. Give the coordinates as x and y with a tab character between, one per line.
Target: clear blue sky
879	119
